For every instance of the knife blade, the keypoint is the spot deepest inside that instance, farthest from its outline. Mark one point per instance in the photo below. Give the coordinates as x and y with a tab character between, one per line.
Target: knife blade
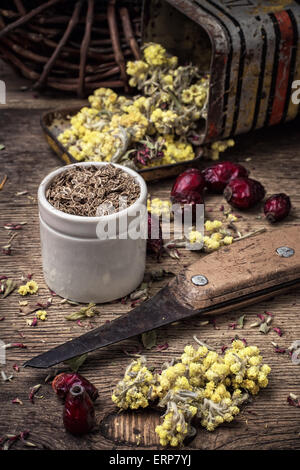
247	272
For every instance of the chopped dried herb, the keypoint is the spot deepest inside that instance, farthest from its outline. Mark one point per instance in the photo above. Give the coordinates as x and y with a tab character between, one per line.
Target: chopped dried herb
82	190
149	339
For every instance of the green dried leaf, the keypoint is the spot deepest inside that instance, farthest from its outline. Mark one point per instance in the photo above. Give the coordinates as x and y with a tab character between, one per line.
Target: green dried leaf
240	321
76	362
75	316
2	146
149	339
10	285
264	328
84	312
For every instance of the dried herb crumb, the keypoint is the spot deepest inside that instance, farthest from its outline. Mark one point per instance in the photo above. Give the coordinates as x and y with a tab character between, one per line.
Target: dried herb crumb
82	190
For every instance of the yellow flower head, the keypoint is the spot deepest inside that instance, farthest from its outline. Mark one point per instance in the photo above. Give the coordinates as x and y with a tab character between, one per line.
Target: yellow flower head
32	287
23	290
41	315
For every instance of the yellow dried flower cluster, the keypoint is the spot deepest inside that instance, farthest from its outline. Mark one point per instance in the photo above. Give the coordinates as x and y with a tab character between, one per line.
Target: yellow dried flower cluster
41	315
174	100
135	390
31	287
213	151
201	383
159	207
217	238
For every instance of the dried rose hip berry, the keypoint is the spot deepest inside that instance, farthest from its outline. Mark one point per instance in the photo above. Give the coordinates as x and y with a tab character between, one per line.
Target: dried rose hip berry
277	207
218	176
244	193
64	381
190	181
154	245
79	413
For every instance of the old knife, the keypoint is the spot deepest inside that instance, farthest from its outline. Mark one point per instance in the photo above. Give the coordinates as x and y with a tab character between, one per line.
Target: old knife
248	271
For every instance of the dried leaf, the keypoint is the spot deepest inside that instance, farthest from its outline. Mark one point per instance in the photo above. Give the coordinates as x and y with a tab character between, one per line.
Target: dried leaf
76	362
240	321
264	328
2	146
84	312
10	285
149	339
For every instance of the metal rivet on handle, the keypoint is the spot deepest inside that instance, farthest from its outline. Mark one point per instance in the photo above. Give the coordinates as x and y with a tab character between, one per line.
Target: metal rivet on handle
199	280
285	251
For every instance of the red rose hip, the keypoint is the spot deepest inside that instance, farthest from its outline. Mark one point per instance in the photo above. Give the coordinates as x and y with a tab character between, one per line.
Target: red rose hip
64	381
189	181
217	176
277	207
244	193
79	413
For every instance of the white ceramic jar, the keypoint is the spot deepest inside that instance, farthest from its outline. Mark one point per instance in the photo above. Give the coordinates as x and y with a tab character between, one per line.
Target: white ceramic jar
82	264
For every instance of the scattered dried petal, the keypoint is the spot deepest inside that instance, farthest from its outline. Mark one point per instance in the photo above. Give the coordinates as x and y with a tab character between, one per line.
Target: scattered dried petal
162	347
18	401
261	317
33	391
278	331
293	401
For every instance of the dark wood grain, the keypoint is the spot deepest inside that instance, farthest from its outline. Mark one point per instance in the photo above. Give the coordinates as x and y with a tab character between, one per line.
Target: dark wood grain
267	422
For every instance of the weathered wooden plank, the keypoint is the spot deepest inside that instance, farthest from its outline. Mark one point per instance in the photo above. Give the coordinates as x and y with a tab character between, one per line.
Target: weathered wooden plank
266	423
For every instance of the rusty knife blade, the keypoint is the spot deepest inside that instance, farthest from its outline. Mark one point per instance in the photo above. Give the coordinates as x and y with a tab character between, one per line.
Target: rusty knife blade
160	310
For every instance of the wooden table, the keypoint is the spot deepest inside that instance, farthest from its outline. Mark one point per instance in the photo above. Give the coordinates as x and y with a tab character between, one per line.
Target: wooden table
267	422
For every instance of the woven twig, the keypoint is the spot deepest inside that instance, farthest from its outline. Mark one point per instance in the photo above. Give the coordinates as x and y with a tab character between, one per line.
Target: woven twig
84	46
27	17
112	22
72	23
20	7
129	33
57	46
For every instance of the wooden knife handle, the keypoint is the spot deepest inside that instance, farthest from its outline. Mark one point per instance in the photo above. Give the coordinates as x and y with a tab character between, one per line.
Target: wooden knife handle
244	269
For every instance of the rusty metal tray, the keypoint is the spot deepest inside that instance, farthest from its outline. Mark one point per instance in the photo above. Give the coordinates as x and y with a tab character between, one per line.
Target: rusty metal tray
54	122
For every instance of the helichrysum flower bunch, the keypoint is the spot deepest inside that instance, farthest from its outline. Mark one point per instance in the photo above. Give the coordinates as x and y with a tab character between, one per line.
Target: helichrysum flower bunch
201	383
173	100
216	235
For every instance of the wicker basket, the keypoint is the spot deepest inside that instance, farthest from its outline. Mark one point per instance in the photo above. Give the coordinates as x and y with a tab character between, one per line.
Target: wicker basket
71	45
